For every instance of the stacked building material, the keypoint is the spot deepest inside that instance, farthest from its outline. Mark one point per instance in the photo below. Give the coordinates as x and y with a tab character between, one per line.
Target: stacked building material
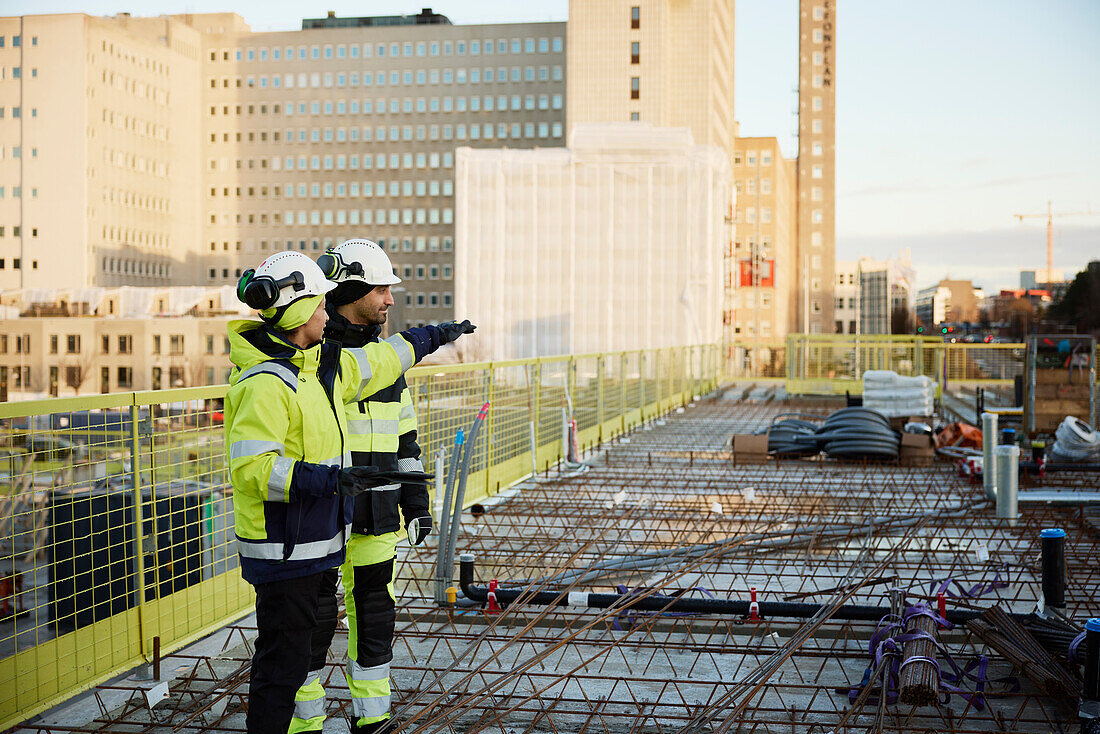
896	396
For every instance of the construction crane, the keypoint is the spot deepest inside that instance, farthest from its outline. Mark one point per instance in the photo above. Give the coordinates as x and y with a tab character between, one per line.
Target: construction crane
1050	215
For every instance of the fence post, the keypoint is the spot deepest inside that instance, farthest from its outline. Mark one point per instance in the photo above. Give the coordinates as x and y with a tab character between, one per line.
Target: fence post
139	523
491	428
599	398
622	392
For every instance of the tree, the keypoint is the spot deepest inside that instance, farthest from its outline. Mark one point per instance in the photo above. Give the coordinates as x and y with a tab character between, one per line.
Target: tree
902	320
1080	306
1018	313
77	368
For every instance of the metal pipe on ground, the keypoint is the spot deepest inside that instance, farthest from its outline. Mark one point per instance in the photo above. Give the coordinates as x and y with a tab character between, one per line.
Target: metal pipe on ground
1054	569
442	571
753	543
658	603
460	494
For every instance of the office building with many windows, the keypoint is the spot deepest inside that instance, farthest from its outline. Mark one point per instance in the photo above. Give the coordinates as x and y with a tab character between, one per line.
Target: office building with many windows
762	287
816	250
349	129
195	146
99	151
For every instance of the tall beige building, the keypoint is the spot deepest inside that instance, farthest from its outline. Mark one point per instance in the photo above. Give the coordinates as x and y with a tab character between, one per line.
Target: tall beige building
762	288
816	164
181	150
668	63
99	150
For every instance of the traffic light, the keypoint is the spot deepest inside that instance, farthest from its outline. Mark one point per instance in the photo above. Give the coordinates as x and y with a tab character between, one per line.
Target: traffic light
920	329
944	330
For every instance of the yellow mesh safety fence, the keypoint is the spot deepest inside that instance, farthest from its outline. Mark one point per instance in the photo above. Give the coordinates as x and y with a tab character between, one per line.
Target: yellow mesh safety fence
116	516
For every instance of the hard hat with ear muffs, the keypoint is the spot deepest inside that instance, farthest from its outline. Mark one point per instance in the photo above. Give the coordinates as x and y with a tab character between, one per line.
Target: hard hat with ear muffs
282	279
358	260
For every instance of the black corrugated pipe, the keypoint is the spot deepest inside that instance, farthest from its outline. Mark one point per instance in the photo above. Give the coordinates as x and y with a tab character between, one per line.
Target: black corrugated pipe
658	603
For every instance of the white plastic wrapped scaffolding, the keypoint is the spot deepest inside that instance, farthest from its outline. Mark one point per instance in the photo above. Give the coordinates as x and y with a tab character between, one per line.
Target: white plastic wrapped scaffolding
895	396
613	244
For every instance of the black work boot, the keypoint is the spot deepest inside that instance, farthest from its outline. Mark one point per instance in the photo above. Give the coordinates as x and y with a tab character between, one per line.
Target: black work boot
385	726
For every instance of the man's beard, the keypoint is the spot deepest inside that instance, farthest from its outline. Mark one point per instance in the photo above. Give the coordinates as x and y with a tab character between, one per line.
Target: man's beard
378	318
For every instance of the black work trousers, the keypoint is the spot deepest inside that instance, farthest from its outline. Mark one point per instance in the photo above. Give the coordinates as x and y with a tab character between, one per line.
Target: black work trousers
296	619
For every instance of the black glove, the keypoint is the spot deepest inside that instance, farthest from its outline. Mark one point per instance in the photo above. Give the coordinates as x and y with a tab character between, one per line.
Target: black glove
454	329
355	480
419	528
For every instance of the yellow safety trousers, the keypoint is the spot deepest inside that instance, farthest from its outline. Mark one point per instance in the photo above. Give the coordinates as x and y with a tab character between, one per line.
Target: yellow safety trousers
369	686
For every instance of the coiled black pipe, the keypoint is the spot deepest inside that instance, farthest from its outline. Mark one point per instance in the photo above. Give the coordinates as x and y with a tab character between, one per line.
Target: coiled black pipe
792	437
854	432
658	603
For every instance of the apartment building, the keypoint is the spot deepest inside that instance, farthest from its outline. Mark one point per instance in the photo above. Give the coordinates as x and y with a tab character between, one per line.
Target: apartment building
348	128
99	151
668	63
949	301
817	162
846	297
763	285
99	340
868	292
887	291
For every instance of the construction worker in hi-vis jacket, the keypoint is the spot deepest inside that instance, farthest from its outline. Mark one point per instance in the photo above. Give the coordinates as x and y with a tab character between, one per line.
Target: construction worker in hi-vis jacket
289	457
382	434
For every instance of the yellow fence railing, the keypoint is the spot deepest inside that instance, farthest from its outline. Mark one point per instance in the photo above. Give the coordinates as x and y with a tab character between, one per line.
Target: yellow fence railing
834	364
116	518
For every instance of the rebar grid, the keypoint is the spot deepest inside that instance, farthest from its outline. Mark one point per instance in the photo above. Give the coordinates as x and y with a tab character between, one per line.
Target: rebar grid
809	530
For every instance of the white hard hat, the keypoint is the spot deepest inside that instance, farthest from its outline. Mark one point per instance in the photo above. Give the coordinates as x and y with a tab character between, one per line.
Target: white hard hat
281	279
358	259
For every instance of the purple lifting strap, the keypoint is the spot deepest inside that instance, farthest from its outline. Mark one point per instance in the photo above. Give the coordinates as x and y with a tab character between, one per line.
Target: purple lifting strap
1073	647
943	586
888	641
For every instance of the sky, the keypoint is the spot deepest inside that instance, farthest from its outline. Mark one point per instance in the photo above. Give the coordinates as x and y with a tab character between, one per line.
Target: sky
952	116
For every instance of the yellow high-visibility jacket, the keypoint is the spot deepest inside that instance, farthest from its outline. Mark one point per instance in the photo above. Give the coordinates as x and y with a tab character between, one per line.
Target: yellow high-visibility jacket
284	417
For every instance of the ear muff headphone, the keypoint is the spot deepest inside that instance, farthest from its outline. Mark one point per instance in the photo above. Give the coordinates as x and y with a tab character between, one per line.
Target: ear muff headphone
333	266
262	291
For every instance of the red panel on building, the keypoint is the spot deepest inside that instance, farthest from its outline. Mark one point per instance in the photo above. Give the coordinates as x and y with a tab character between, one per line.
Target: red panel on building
767	273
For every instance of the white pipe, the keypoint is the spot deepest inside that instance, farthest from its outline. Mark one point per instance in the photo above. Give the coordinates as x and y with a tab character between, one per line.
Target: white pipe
989	460
1008	467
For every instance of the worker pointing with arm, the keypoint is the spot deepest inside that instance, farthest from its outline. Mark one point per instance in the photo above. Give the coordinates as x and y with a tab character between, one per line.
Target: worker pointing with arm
289	461
382	434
